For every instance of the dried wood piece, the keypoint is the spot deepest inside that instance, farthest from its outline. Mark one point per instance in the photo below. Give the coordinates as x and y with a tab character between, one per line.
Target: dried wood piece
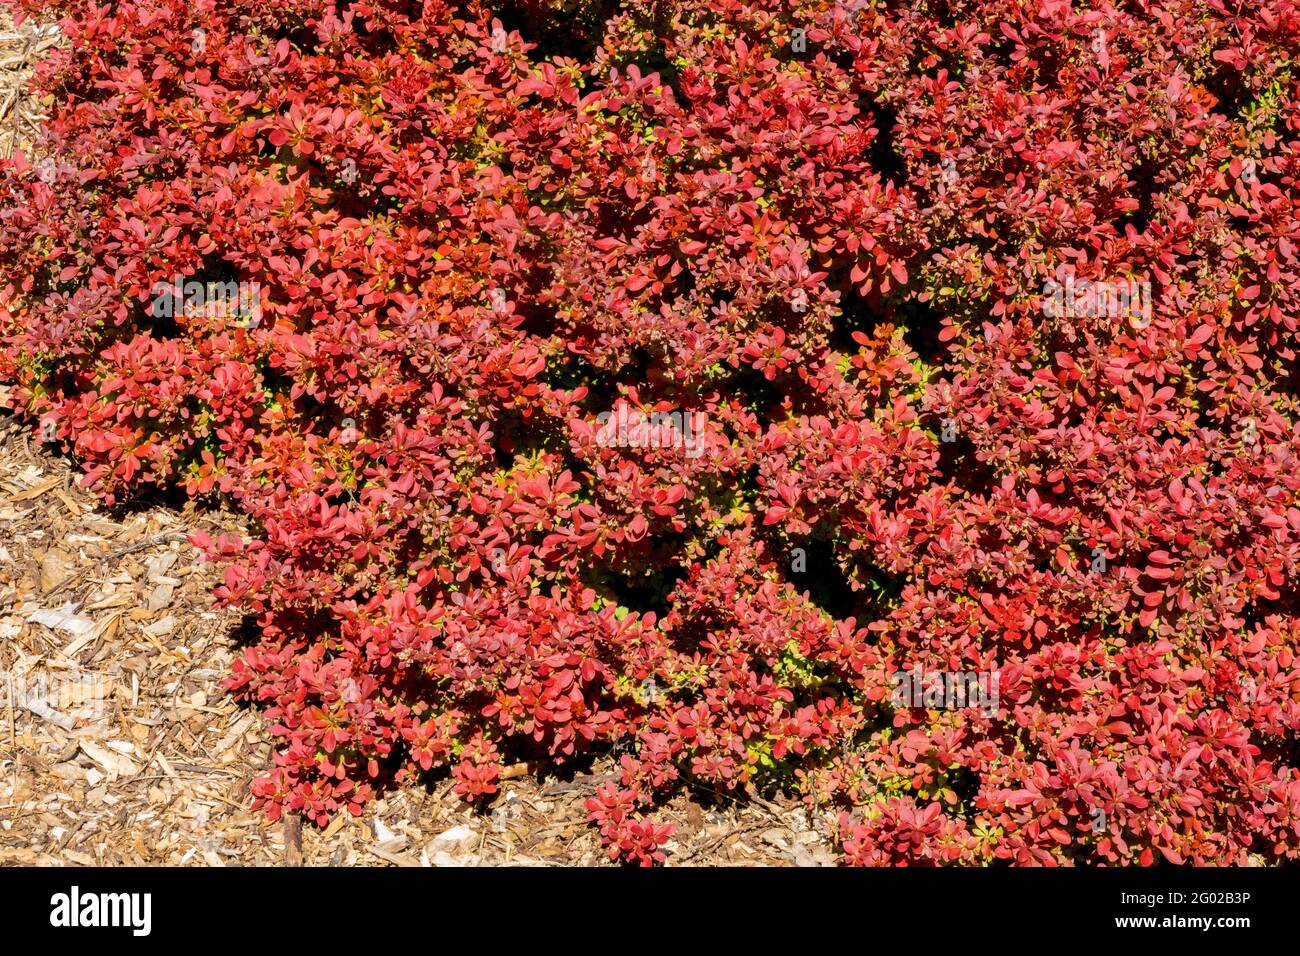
292	840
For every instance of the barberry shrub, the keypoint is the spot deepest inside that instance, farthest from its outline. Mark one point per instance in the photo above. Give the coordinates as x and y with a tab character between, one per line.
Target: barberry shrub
691	377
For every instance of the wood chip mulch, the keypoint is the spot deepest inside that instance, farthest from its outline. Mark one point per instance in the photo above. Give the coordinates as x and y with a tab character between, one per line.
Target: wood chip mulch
20	49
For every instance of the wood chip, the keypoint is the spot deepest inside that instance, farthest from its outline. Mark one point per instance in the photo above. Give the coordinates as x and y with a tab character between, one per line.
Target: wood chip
113	763
105	629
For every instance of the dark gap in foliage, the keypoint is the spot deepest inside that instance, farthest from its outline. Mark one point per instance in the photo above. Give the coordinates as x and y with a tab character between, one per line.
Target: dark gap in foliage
302	36
882	588
883	152
172	497
661	381
274	381
518	437
690	634
637	369
803	398
157	323
575	33
822	578
842	58
649	372
943	14
247	632
349	202
570	371
1143	176
965	783
921	323
163	313
1225	83
554	769
1209	418
536	319
616	218
1287	380
650	591
959	460
762	398
856	315
306	405
1285	605
999	52
685	283
1240	222
217	269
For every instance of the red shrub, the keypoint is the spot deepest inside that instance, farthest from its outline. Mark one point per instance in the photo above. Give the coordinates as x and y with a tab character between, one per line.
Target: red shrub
675	374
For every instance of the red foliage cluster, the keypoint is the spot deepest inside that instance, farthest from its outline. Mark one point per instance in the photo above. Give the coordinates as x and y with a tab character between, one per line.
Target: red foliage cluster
824	242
